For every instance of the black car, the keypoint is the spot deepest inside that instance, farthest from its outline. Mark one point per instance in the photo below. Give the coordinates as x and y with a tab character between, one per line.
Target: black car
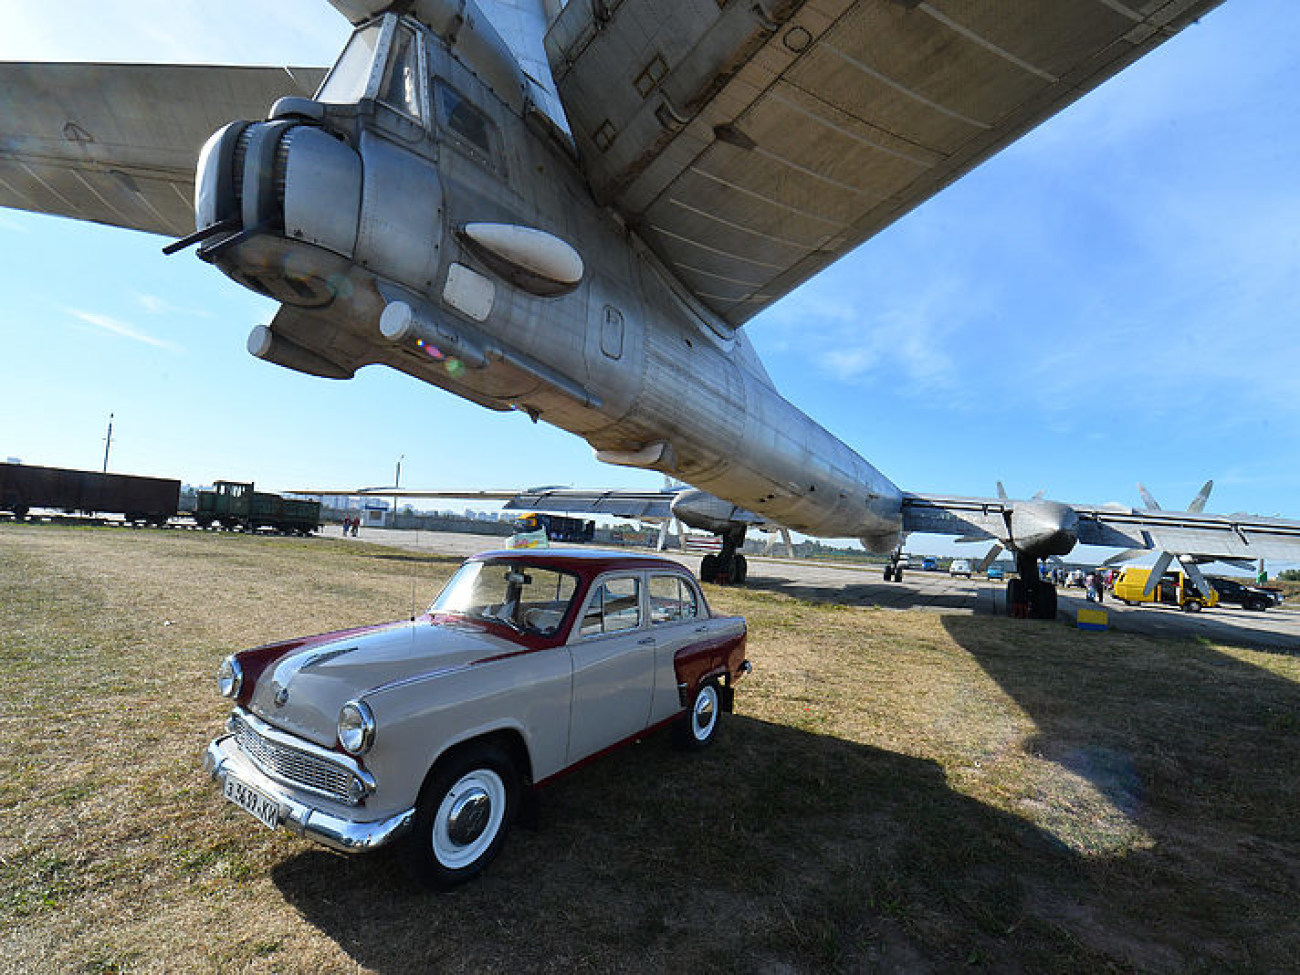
1247	597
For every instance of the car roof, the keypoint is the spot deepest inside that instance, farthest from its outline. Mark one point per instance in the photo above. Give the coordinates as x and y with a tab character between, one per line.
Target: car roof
585	561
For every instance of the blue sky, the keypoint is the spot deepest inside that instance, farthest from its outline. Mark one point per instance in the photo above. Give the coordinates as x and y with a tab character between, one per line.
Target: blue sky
1112	299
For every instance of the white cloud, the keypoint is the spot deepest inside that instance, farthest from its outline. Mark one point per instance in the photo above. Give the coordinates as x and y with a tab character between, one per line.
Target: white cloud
116	327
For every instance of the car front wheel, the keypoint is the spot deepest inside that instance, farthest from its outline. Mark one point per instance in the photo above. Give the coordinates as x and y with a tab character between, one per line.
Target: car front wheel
699	725
462	816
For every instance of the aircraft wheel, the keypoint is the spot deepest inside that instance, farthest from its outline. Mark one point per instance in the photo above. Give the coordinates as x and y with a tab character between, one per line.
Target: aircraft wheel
739	569
1045	602
898	574
1016	605
889	573
709	568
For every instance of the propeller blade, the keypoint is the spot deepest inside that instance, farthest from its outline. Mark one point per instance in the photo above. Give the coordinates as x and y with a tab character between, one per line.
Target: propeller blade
1194	573
1039	496
985	562
1157	571
1127	556
1151	503
967	539
789	546
1002	492
1198	502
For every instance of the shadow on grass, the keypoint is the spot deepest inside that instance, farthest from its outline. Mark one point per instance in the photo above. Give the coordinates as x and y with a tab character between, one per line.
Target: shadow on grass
894	595
1195	747
776	850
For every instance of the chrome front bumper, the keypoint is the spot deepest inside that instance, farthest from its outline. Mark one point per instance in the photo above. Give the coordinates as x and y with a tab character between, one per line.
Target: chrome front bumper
223	757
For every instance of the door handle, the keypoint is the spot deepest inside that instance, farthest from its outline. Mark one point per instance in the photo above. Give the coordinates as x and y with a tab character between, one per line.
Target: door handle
645	641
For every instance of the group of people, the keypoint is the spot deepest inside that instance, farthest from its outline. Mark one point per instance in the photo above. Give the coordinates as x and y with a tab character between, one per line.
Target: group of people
350	526
1094	582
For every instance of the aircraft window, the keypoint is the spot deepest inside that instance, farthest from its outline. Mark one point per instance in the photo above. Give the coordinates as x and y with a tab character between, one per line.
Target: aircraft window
350	76
465	120
402	91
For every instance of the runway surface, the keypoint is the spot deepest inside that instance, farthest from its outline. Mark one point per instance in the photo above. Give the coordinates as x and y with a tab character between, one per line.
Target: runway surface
1275	629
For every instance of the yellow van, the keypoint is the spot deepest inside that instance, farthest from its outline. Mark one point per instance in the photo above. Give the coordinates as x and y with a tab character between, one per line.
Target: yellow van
1173	589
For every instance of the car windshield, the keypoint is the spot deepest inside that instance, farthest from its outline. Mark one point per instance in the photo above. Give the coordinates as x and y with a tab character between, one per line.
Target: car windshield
526	598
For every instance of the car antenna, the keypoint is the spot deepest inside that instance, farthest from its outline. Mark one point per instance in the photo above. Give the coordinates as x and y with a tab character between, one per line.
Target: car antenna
414	569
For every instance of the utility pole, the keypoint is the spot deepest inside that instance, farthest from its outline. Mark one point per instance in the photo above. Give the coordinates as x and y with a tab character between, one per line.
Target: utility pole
108	442
397	482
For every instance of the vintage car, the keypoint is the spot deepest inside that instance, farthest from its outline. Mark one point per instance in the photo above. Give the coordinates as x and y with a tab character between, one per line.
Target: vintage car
427	732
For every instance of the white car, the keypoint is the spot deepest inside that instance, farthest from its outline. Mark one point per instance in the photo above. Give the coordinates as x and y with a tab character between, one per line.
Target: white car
428	732
960	567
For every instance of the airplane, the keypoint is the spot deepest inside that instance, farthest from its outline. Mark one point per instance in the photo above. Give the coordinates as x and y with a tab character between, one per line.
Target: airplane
571	210
1032	530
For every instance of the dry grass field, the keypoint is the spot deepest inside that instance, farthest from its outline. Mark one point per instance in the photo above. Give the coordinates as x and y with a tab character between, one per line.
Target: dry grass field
898	792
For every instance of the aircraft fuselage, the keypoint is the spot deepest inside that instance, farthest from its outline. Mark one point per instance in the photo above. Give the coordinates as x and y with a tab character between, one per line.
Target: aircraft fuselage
413	217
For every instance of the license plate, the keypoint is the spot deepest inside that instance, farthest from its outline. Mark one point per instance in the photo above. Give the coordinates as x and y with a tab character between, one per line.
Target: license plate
257	804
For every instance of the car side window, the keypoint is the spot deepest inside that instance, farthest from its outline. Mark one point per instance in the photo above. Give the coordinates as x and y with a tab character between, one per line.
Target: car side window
672	599
614	605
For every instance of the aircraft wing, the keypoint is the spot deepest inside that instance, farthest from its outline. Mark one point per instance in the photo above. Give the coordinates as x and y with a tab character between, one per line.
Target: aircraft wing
118	143
750	145
1237	536
642	505
972	518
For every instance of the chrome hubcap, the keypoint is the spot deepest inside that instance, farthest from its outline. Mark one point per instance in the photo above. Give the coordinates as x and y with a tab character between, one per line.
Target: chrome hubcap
469	816
705	712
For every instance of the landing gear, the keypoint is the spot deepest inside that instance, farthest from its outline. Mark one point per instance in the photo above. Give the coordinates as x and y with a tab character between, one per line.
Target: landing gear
728	566
1030	597
894	567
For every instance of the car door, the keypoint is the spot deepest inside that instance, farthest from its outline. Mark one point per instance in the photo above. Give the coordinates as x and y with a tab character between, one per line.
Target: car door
613	655
678	622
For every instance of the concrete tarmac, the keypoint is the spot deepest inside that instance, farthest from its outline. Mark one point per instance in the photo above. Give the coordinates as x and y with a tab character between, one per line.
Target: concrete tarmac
1275	629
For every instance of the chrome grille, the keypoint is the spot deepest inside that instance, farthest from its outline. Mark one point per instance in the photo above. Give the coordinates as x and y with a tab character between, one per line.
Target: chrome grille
293	766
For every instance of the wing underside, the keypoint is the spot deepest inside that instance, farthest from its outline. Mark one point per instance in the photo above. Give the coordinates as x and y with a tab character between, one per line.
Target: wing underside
752	144
118	143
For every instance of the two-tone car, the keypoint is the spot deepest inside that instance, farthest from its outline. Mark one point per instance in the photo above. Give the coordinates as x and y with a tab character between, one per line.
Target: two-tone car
427	732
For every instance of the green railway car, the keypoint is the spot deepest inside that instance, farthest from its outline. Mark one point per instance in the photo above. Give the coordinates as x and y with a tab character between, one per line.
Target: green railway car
234	504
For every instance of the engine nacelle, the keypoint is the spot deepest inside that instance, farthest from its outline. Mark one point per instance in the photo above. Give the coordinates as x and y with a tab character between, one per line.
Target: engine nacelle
379	207
701	510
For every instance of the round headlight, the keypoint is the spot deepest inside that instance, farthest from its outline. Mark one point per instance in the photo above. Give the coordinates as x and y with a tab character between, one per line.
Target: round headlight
230	677
356	728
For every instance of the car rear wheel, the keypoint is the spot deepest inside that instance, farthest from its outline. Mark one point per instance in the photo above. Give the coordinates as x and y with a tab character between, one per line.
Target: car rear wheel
462	816
1192	606
699	725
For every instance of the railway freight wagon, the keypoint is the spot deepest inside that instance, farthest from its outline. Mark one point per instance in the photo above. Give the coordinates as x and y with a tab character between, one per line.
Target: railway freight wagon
234	504
140	499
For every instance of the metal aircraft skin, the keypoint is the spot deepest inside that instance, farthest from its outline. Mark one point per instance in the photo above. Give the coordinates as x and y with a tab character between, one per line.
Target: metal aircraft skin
574	215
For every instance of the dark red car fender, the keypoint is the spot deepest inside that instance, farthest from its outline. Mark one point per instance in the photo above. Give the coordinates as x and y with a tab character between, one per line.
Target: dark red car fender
719	657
